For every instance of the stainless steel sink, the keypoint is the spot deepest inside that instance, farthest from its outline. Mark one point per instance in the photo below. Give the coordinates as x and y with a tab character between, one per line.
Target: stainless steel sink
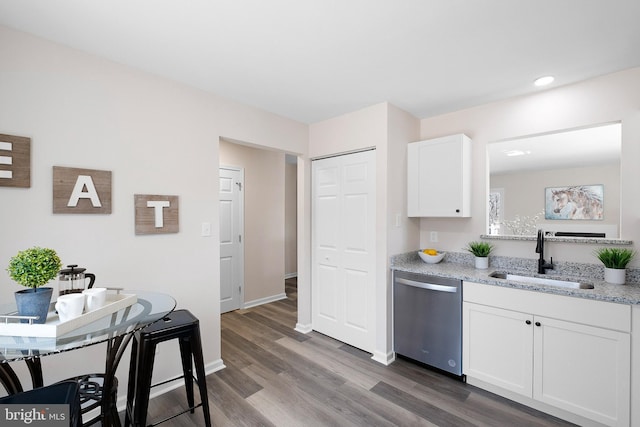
540	280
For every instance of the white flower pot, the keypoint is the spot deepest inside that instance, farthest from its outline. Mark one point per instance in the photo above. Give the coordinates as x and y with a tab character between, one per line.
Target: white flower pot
616	276
482	262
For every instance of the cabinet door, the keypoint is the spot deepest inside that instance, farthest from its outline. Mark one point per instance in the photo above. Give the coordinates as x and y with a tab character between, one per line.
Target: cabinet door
583	369
439	177
498	347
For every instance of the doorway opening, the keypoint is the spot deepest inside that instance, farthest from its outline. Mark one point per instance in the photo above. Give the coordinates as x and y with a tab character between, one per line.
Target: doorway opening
268	237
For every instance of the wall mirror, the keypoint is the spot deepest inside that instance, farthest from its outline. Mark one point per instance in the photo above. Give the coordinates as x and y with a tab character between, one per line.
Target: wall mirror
565	182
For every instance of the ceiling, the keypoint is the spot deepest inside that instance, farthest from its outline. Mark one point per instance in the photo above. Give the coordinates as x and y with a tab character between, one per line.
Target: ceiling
311	60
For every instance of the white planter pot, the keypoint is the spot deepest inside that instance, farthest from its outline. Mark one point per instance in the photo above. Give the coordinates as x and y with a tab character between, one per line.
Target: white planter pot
482	263
616	276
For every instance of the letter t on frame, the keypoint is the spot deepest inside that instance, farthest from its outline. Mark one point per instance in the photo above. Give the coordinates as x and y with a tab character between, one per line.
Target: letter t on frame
155	214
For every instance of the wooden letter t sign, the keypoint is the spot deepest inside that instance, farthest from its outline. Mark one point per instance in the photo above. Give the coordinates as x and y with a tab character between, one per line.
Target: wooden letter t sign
156	214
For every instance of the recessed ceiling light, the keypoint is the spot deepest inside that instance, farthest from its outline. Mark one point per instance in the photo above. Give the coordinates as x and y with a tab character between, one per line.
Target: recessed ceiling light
515	153
543	81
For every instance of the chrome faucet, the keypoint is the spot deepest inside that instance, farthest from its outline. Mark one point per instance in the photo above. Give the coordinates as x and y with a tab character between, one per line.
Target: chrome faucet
543	265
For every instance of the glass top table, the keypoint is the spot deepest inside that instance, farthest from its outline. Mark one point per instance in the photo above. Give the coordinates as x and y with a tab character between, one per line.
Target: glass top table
151	306
116	329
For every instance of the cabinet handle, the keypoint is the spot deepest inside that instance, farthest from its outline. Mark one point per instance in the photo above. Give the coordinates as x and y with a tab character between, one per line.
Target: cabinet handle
537	323
457	210
528	322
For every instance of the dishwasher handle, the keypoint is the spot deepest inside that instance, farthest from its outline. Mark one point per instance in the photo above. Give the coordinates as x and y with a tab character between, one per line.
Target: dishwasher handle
426	285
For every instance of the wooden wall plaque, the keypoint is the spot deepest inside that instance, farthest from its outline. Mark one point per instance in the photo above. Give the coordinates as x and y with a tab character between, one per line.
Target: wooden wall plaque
155	214
81	191
15	161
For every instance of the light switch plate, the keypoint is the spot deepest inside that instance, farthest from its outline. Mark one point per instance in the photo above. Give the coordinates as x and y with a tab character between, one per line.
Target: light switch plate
206	229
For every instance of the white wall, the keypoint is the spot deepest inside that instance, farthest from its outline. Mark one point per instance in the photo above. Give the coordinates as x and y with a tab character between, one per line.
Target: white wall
157	137
365	128
604	99
403	127
402	232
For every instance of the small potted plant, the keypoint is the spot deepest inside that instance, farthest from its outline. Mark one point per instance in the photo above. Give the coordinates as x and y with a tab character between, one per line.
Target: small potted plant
34	268
615	262
481	251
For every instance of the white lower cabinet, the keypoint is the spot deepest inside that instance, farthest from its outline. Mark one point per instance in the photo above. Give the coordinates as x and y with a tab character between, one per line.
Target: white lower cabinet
554	350
498	347
583	369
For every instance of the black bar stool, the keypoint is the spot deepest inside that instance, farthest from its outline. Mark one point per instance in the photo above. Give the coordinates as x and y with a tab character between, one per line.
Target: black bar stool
181	325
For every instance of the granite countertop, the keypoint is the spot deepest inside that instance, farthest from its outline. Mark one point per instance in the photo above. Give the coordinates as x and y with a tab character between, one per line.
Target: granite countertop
460	266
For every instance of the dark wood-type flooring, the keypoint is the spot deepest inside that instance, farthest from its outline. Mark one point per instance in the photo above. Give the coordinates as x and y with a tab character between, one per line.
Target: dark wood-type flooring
276	376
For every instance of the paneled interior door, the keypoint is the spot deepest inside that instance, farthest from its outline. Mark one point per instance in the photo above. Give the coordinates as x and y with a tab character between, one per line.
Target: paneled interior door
343	248
231	231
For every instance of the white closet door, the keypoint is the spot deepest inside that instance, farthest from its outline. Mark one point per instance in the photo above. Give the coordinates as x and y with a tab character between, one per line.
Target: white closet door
343	248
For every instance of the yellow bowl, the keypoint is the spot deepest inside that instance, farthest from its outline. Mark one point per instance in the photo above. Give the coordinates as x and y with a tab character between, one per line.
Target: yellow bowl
431	259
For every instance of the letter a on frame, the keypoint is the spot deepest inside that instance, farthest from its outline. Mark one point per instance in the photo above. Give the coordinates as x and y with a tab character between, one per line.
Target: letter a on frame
81	191
84	181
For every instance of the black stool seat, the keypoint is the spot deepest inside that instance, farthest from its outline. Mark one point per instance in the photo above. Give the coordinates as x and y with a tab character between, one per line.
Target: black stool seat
180	325
63	393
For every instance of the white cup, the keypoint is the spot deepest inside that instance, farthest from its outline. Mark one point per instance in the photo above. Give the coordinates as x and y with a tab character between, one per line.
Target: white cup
94	298
69	306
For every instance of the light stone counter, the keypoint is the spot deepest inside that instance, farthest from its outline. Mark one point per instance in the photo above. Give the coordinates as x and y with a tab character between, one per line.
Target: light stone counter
460	266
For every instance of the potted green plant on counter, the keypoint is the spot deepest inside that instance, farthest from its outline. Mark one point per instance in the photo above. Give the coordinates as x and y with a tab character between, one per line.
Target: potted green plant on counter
34	268
615	262
480	251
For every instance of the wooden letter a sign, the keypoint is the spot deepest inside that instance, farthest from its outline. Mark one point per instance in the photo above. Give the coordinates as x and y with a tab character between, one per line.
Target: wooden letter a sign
81	191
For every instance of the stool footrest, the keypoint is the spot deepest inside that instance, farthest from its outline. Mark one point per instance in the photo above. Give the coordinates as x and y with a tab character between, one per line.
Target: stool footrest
164	420
195	379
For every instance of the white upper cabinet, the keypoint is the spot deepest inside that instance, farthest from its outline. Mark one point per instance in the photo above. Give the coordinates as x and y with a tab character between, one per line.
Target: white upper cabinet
439	177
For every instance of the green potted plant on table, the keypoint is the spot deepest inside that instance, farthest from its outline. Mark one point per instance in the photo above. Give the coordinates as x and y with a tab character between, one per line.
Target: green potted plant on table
480	251
615	262
34	268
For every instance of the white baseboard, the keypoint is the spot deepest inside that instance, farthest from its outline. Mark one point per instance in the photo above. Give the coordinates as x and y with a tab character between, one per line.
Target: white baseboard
265	300
209	368
384	358
290	275
303	329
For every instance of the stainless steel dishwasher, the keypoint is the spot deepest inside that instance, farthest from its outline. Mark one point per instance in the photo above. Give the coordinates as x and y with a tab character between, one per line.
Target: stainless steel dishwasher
427	320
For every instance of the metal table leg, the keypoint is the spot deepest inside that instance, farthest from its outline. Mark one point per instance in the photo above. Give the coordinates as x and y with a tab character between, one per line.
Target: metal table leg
10	381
